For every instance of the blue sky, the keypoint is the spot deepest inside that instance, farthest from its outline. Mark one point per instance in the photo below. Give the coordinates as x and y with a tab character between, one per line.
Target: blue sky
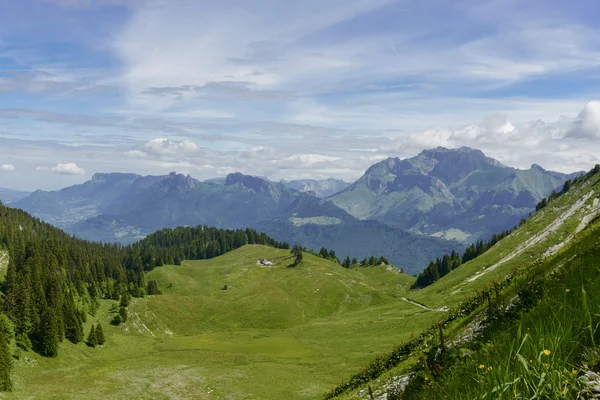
291	89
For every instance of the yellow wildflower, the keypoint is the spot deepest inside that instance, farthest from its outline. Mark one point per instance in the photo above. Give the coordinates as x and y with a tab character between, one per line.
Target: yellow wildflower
530	361
567	290
546	365
490	368
574	371
481	366
547	352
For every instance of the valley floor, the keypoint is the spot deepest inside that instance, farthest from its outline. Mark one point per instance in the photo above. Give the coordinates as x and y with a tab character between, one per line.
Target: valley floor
276	332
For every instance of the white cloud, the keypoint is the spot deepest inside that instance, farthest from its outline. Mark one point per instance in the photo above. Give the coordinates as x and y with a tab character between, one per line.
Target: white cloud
63	169
167	147
135	154
311	159
587	123
565	145
7	168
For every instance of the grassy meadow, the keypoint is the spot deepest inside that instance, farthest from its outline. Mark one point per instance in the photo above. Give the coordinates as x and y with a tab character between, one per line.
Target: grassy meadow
276	332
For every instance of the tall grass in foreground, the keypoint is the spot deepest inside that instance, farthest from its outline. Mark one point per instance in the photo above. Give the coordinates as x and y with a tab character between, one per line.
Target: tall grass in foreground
539	355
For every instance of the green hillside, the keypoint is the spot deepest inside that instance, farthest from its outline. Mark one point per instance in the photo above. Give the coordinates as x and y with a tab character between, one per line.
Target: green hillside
507	302
276	332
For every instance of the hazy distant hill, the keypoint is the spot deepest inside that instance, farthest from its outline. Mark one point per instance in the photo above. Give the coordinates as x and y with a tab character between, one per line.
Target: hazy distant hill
179	200
316	222
10	195
102	194
321	188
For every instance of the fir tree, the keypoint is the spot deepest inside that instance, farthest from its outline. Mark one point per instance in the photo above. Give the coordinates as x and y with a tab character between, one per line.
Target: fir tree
152	287
73	327
346	262
100	334
6	334
296	252
92	339
123	314
47	335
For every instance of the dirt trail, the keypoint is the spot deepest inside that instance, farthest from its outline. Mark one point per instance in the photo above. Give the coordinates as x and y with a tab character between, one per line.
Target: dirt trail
417	304
355	280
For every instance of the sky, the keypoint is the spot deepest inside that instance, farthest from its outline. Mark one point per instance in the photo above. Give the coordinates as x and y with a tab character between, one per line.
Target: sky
290	90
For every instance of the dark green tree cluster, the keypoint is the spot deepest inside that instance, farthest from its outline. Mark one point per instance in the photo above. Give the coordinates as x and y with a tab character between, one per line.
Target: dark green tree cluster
53	280
297	253
152	288
328	255
171	246
441	266
347	262
6	335
96	336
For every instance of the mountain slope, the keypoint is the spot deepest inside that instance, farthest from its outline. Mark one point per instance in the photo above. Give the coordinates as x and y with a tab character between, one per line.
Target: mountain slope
10	195
321	188
441	192
102	194
315	222
177	200
542	266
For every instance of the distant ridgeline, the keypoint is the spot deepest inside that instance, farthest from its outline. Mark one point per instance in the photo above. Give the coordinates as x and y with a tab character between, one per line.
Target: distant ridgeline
53	280
442	266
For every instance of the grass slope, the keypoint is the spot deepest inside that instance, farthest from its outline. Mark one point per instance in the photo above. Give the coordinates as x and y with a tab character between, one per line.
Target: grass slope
556	238
541	236
276	332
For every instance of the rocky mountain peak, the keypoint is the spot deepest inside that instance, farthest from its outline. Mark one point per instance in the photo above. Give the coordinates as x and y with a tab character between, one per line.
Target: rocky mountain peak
180	181
251	182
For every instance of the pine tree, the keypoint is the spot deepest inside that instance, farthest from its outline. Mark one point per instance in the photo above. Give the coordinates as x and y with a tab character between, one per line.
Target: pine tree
124	300
47	334
152	287
6	334
346	262
123	314
567	186
100	334
73	327
92	339
296	252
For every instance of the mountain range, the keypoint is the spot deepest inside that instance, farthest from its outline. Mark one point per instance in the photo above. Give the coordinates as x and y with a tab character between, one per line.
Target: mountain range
457	194
410	211
10	195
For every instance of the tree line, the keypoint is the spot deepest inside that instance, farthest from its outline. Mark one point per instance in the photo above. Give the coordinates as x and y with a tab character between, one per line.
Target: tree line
347	262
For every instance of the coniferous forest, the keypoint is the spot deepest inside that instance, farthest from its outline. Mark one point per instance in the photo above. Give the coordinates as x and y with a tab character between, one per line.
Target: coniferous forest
54	281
